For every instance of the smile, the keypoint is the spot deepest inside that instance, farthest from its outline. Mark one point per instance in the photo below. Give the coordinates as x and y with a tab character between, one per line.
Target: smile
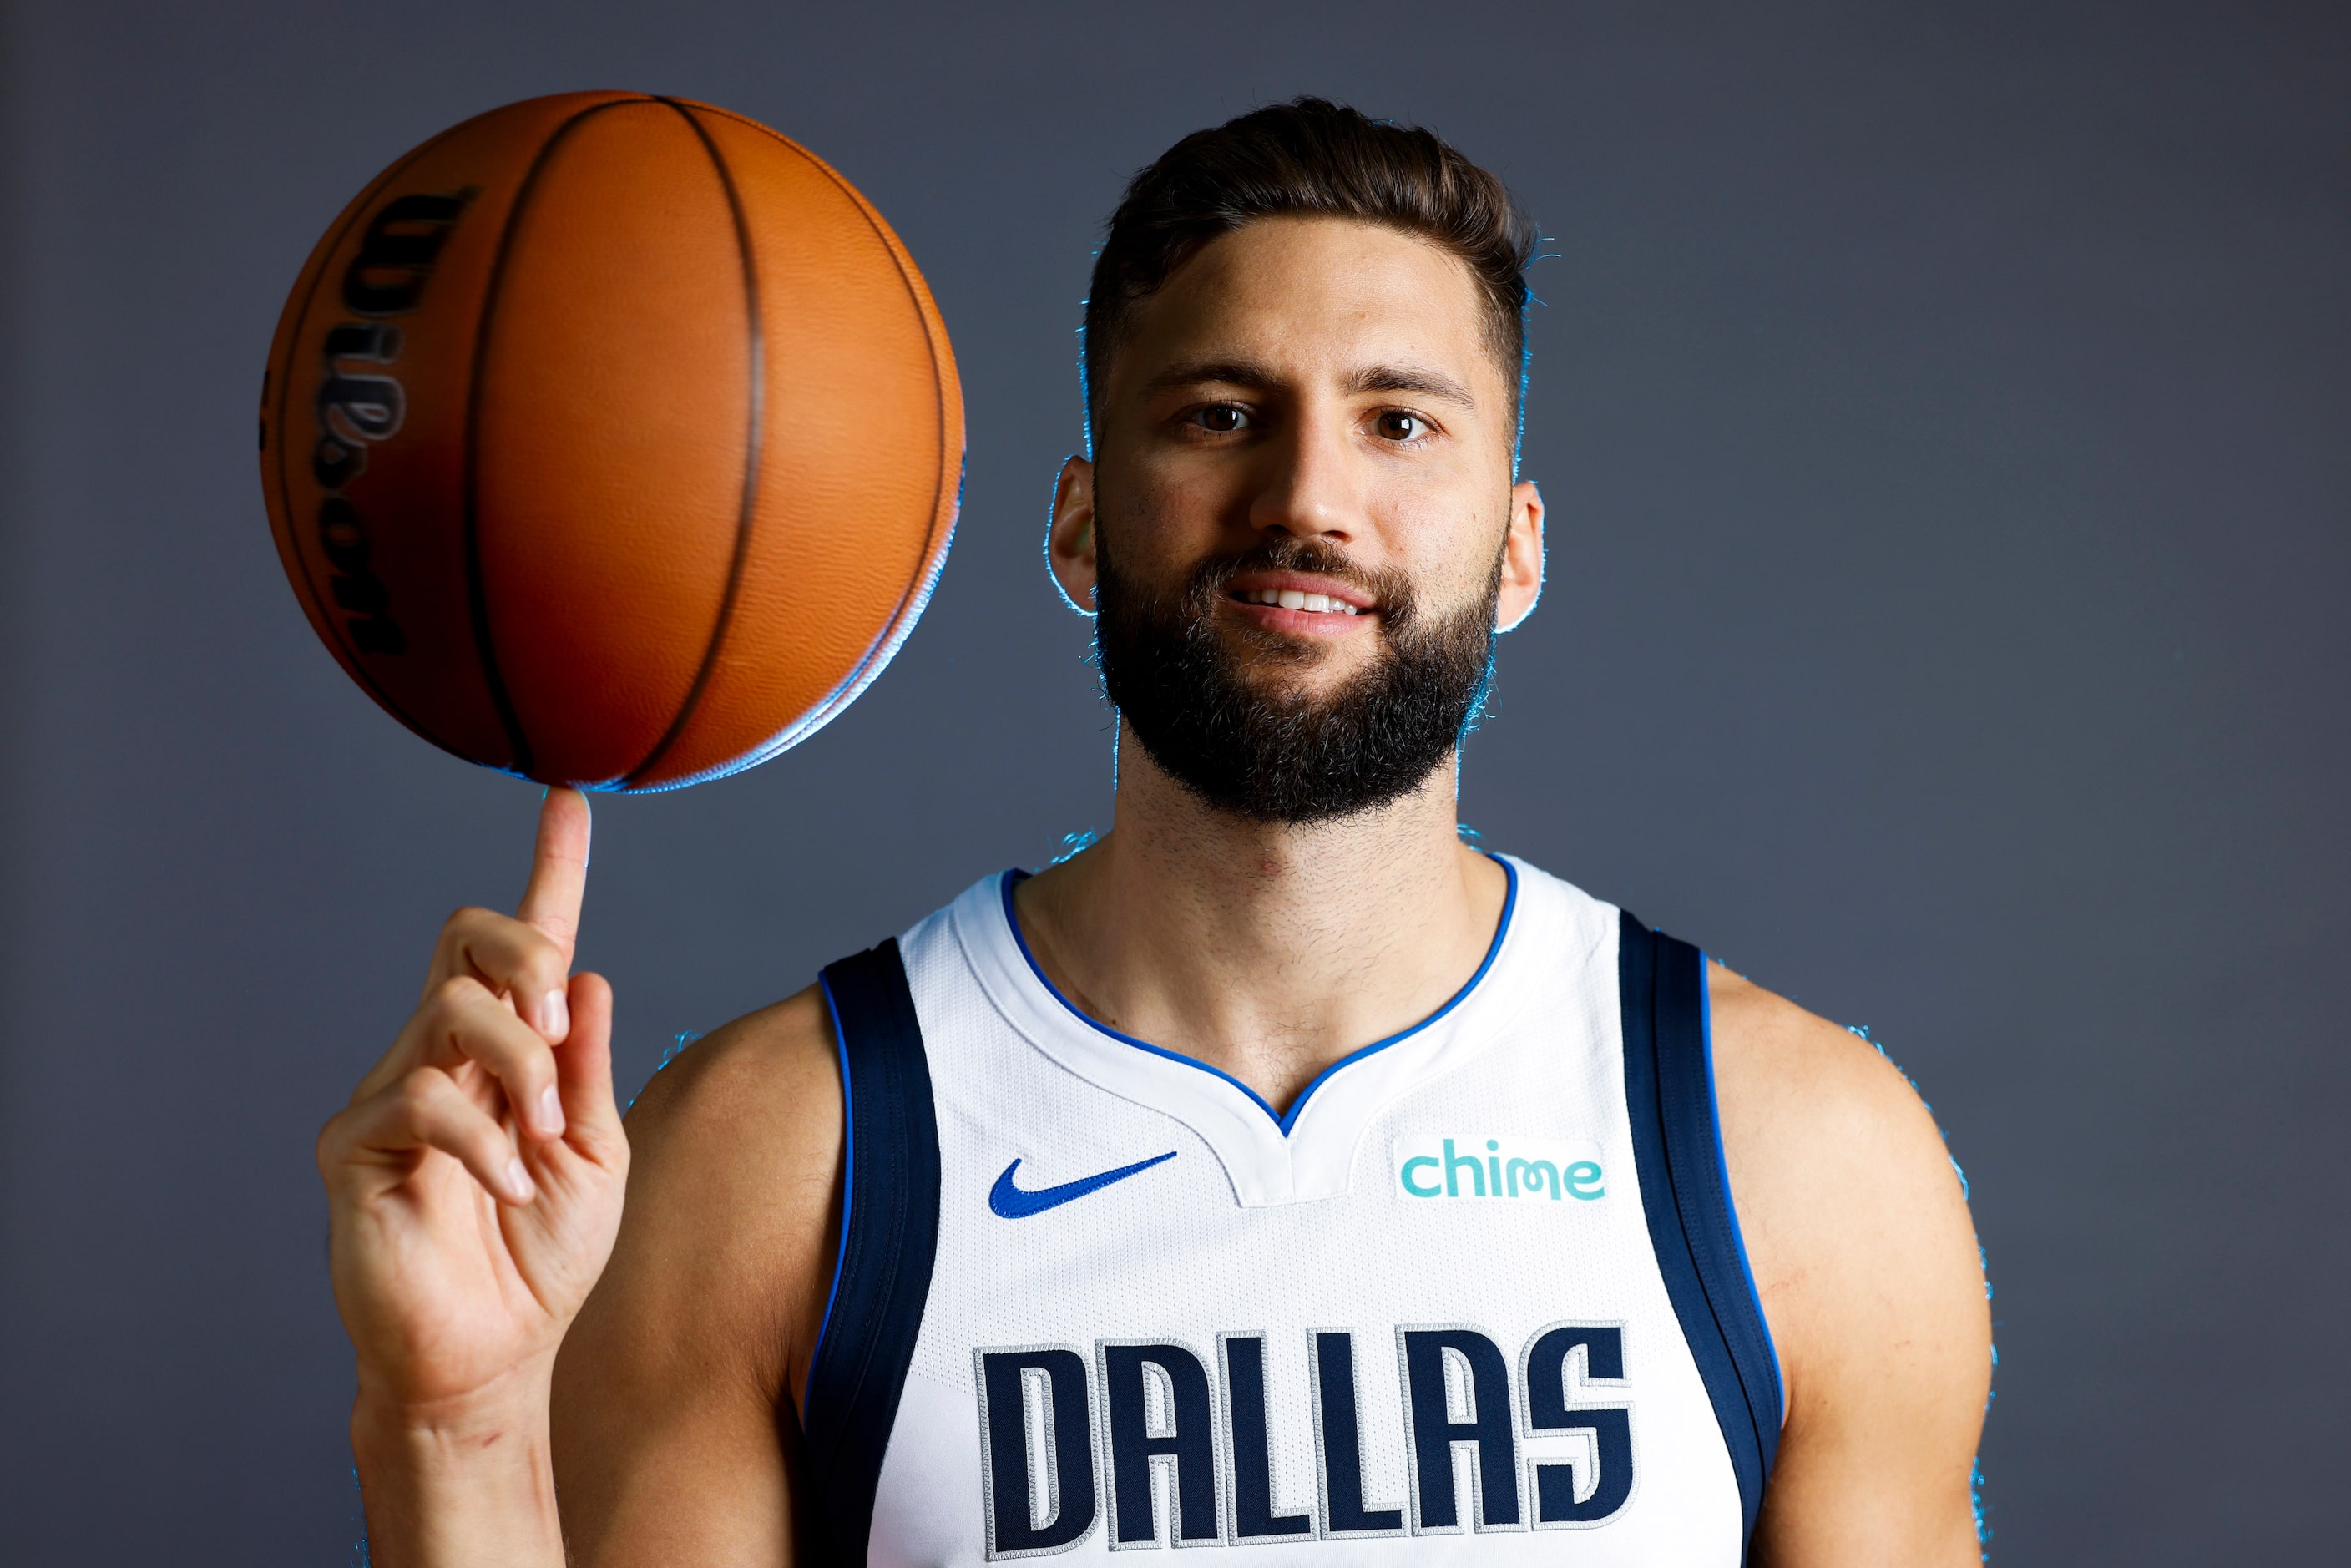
1291	599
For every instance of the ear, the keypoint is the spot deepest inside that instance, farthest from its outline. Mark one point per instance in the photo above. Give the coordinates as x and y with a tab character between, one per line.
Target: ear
1070	537
1522	558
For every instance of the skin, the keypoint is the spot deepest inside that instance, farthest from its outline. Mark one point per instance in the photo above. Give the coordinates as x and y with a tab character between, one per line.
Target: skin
1314	377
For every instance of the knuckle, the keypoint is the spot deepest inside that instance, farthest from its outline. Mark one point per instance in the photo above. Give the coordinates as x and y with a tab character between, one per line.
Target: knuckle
331	1138
524	1065
541	953
457	995
419	1093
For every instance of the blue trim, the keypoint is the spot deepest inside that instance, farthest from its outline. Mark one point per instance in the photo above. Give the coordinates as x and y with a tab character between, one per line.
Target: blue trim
1014	877
889	1245
1686	1200
848	1174
1738	1236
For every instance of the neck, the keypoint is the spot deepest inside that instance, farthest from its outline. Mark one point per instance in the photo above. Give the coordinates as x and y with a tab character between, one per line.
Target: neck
1265	950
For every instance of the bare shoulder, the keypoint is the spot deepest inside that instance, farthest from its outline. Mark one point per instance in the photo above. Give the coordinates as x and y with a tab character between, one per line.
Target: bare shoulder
735	1151
742	1098
666	1390
1808	1100
1866	1260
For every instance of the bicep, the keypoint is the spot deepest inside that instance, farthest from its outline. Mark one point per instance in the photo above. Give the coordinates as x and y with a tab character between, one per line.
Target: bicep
671	1390
1867	1263
688	1472
1877	1472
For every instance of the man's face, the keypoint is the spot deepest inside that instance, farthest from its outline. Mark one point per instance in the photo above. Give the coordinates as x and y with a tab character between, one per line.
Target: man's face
1300	529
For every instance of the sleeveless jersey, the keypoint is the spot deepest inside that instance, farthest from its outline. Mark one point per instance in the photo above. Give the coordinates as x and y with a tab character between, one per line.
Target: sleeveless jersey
1476	1296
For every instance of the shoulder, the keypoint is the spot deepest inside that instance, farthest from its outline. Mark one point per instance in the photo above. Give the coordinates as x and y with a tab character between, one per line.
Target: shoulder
1797	1088
1864	1253
1838	1172
735	1166
756	1086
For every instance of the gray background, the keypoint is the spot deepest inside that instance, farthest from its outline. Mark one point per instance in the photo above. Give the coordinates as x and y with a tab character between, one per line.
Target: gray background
1942	412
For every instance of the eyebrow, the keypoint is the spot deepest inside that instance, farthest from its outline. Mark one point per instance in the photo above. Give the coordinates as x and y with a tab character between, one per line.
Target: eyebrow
1417	378
1411	378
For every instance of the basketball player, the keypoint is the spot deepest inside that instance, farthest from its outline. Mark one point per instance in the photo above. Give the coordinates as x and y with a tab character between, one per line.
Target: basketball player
1280	1172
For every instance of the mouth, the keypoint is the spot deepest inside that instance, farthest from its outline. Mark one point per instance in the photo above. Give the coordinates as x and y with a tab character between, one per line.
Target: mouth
1295	597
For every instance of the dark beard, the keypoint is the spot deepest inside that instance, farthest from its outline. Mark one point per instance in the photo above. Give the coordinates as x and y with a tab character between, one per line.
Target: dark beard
1284	756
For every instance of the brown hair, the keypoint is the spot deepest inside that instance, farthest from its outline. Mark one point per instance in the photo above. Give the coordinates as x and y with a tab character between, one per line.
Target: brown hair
1308	158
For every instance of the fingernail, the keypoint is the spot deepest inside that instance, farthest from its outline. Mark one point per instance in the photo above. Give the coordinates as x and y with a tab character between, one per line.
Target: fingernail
519	1182
557	1014
550	1111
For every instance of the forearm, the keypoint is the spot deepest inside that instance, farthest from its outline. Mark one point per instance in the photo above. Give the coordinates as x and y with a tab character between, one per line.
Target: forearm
474	1488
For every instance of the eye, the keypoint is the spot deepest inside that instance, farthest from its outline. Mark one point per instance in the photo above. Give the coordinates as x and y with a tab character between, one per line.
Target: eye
1399	425
1221	418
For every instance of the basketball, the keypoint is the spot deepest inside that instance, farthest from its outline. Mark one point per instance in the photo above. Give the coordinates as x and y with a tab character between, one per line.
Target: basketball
611	440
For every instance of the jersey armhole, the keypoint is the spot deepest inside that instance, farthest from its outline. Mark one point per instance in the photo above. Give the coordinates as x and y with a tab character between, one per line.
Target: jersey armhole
1685	1197
1729	1200
888	1245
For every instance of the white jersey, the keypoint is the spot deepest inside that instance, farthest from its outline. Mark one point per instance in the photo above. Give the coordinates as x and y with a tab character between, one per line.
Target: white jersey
1478	1296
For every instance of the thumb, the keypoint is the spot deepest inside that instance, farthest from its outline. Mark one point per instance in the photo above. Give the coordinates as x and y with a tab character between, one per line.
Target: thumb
558	869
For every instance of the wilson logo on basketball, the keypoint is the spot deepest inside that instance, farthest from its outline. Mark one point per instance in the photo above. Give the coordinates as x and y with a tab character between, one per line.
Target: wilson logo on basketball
359	401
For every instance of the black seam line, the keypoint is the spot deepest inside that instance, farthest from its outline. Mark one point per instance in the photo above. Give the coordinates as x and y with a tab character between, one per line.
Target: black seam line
1681	1179
1748	1357
1716	1311
284	382
755	453
881	639
477	593
1713	1182
892	1123
901	1216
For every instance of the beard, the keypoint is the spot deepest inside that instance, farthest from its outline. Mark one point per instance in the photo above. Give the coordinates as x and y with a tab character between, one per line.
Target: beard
1262	749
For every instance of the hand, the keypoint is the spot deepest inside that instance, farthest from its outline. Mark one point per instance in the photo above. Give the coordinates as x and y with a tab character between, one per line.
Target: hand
475	1181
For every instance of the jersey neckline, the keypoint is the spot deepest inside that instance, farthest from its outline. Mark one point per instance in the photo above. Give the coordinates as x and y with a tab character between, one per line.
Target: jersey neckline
1013	876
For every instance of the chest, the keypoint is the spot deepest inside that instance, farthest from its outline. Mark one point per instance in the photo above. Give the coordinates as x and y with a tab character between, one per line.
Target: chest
1421	1322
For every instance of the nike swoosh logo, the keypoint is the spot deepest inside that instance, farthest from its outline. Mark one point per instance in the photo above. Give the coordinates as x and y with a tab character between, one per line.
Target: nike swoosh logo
1011	1202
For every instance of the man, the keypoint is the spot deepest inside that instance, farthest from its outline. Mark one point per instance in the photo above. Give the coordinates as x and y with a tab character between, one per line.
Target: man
1277	1172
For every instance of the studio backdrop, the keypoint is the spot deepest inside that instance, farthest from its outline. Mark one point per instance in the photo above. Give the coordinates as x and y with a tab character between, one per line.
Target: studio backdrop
1942	415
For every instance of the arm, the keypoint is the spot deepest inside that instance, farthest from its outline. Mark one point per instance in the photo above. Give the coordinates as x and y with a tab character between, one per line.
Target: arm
474	1184
670	1388
1866	1260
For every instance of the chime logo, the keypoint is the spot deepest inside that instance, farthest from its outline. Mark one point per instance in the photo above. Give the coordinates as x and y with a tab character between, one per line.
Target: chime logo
1499	1166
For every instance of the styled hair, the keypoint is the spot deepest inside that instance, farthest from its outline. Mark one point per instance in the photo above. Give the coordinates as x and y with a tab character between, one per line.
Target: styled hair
1308	158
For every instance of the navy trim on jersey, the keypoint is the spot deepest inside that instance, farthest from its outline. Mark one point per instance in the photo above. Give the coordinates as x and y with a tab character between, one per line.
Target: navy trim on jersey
1501	928
1686	1193
1746	1269
889	1240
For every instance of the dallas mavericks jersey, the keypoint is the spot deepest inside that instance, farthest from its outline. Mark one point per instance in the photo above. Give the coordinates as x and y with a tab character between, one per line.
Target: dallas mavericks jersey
1478	1296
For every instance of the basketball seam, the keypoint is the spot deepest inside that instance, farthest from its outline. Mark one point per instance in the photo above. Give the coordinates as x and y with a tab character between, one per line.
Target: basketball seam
476	591
926	567
285	384
755	454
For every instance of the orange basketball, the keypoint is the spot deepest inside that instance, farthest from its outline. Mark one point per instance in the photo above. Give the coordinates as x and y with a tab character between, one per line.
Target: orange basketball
611	440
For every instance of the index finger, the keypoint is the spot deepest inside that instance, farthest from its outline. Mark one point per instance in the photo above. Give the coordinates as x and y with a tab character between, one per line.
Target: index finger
558	869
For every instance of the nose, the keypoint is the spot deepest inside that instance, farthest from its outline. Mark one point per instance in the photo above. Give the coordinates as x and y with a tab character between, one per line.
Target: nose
1308	488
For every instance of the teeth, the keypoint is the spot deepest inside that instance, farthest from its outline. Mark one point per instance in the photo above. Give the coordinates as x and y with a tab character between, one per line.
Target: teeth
1292	599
